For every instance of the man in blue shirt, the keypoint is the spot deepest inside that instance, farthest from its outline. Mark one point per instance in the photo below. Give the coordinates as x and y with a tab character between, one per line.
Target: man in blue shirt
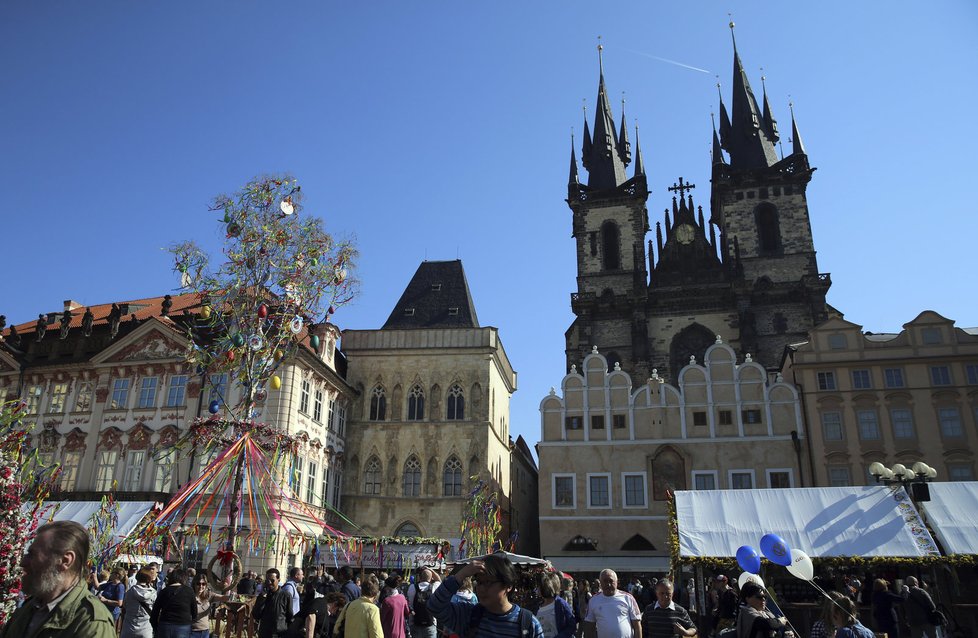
291	587
494	615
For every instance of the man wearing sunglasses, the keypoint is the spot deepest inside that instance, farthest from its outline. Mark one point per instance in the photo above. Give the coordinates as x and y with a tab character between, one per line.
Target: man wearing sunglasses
494	615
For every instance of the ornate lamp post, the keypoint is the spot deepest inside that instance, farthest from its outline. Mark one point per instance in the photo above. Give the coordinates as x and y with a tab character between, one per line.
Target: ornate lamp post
913	479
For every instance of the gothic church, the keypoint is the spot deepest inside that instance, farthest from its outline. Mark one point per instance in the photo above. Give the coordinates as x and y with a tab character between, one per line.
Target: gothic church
746	272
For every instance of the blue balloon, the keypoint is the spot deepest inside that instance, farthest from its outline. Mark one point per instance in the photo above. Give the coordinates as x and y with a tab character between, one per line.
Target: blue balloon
748	559
214	407
775	549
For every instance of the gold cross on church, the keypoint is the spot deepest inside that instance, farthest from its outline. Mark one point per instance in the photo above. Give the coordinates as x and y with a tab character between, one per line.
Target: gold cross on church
681	187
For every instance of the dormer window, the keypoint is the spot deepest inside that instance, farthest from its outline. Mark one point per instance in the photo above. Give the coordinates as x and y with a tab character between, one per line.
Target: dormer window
409	312
435	287
453	311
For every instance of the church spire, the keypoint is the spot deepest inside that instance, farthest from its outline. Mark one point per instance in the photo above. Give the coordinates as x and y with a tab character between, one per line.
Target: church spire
769	122
639	163
750	144
797	146
602	156
725	139
573	180
717	150
624	147
586	144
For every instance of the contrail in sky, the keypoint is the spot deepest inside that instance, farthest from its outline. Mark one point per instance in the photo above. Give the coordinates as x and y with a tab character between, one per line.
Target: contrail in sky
685	66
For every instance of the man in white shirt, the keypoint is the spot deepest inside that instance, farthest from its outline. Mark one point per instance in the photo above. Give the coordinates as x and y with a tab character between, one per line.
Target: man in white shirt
612	613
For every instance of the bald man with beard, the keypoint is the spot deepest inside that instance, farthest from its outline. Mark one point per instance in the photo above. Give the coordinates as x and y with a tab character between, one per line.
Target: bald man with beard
59	603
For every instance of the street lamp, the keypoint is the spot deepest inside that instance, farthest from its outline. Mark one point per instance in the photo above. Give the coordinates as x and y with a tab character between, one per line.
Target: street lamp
915	477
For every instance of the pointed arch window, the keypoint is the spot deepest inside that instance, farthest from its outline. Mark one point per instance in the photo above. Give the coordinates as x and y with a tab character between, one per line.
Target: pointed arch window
411	484
452	478
378	404
416	404
371	476
455	403
610	246
407	530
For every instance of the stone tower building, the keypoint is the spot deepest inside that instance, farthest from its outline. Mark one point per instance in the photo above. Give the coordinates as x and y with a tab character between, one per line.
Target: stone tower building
434	390
748	273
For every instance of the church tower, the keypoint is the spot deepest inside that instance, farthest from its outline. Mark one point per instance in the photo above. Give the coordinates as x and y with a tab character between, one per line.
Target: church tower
609	224
760	206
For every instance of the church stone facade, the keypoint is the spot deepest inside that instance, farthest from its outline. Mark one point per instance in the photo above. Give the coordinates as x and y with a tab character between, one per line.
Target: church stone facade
745	271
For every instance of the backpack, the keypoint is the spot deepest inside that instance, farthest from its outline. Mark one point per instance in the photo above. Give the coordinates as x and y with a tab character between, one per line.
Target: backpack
422	617
526	621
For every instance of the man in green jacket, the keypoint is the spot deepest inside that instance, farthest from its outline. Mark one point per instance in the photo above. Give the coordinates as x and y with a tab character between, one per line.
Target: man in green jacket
59	603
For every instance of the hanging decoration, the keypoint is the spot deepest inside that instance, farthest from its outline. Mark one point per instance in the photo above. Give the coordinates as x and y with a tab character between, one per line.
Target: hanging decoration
481	521
102	525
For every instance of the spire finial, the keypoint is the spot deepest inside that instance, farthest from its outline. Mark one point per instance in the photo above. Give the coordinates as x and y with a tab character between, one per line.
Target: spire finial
600	58
763	77
732	36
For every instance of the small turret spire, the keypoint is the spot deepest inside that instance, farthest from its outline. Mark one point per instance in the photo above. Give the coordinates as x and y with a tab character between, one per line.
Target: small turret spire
624	148
769	122
797	146
717	150
639	162
573	179
658	236
725	140
586	144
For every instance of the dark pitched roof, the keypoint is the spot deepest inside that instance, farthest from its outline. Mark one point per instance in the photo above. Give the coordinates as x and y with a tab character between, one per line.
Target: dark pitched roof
437	297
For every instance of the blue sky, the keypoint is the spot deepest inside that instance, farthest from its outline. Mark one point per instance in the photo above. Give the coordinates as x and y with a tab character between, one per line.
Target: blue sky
437	129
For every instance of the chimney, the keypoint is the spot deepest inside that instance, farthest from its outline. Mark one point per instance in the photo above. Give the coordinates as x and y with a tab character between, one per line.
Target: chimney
71	304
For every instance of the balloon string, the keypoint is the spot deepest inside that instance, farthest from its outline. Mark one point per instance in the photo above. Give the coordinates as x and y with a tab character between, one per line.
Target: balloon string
829	598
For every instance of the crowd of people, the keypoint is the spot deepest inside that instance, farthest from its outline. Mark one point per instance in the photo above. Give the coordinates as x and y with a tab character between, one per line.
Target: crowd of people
484	598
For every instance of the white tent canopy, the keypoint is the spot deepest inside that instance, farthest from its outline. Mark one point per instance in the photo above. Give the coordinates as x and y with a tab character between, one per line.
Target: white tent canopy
130	514
952	512
820	521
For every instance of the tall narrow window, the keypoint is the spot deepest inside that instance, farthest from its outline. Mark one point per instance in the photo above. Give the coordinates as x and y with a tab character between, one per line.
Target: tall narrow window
147	392
610	246
902	419
452	482
341	420
133	480
456	403
59	392
336	489
412	477
163	476
176	394
331	415
371	476
768	229
69	470
378	404
83	402
869	427
304	390
416	404
311	472
105	472
327	472
33	399
317	406
120	394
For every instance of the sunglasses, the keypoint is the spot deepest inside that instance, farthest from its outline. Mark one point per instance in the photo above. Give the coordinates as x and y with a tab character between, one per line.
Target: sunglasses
761	596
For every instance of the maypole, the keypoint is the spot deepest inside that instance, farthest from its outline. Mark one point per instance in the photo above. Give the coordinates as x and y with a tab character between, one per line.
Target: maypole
282	277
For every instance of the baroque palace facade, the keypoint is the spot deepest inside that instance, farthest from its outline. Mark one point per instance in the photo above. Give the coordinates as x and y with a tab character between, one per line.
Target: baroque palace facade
110	394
